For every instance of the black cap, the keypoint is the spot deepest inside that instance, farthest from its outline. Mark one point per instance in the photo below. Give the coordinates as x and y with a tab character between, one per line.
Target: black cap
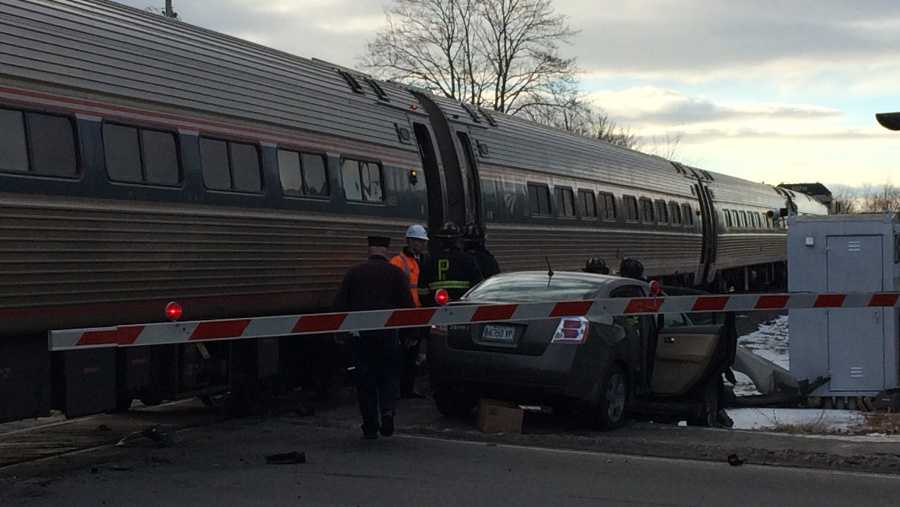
382	241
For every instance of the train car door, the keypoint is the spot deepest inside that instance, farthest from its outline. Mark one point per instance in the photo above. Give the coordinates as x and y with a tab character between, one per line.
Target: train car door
710	232
473	181
454	181
431	168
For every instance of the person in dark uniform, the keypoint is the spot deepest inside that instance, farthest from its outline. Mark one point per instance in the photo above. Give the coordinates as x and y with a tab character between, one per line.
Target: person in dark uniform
632	268
376	285
596	265
475	246
450	268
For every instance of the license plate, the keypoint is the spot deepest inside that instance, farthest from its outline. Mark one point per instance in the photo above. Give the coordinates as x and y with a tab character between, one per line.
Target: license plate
499	334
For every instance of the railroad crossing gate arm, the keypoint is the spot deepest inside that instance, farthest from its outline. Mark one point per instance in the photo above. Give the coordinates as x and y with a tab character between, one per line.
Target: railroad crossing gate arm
137	335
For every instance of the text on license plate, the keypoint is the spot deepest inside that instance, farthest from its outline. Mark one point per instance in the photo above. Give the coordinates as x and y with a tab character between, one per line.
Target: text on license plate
505	334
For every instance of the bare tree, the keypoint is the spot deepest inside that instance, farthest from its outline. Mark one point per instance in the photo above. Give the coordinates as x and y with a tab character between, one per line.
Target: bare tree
665	146
605	128
561	105
498	54
879	200
843	204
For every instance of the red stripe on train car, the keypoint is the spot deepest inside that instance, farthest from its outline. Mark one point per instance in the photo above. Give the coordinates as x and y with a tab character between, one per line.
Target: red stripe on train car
879	300
710	303
644	305
125	335
494	312
829	300
571	309
417	317
320	323
771	302
219	329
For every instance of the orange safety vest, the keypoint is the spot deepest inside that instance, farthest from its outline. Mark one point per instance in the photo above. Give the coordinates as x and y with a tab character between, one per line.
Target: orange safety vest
411	268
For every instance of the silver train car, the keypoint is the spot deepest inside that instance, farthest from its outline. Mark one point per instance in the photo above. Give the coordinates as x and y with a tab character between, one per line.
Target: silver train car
145	160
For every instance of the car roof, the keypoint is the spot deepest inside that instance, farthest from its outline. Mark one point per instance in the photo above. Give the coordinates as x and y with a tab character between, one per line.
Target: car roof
605	283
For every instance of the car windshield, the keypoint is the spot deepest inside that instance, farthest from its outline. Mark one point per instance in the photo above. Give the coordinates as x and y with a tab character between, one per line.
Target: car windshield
534	287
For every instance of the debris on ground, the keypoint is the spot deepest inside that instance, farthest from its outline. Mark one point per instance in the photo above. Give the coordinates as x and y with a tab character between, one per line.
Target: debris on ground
881	423
287	458
161	438
734	460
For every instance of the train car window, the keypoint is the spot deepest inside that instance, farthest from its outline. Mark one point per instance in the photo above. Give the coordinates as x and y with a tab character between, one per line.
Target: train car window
728	221
587	203
363	181
245	176
662	212
647	214
539	199
289	172
122	150
315	175
214	159
675	213
371	182
13	147
744	219
160	155
352	182
631	208
688	214
609	206
136	155
565	201
302	174
55	137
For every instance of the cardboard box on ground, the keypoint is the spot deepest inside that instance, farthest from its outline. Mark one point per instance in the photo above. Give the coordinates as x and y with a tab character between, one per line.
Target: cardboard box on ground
499	417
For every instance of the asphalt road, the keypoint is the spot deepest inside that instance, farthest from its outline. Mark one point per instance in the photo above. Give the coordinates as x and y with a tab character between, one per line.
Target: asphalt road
225	465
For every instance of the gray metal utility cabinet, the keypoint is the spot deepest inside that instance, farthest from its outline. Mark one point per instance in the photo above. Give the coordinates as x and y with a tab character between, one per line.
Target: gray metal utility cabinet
857	348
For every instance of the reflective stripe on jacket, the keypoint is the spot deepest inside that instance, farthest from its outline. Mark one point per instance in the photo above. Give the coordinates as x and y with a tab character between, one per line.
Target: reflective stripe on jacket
410	267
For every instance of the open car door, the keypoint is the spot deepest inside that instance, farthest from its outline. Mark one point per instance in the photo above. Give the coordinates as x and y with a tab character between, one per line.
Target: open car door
688	356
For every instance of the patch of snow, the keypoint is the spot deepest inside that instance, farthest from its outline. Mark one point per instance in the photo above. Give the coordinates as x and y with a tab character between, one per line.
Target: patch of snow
814	420
769	341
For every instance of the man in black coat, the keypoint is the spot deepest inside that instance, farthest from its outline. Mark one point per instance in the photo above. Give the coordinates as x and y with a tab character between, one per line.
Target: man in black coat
475	242
376	285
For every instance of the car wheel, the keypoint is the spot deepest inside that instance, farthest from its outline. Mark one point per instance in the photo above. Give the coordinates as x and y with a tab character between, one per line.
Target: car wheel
610	410
454	403
708	415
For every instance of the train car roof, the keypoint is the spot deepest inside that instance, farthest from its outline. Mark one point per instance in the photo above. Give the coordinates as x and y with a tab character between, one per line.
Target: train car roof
516	142
105	48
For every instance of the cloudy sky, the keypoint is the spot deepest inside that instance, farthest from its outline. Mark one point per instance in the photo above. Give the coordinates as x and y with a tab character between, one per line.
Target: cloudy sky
774	91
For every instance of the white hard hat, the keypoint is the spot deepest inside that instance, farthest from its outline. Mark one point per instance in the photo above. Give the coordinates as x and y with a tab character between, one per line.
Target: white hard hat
417	231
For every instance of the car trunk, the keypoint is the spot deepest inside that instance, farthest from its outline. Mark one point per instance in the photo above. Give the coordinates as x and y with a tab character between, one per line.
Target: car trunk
530	339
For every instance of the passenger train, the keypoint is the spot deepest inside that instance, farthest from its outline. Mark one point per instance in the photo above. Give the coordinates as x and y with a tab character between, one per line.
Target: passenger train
144	160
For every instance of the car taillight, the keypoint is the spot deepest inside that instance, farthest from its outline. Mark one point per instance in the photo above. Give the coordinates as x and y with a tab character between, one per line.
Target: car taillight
571	330
441	297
